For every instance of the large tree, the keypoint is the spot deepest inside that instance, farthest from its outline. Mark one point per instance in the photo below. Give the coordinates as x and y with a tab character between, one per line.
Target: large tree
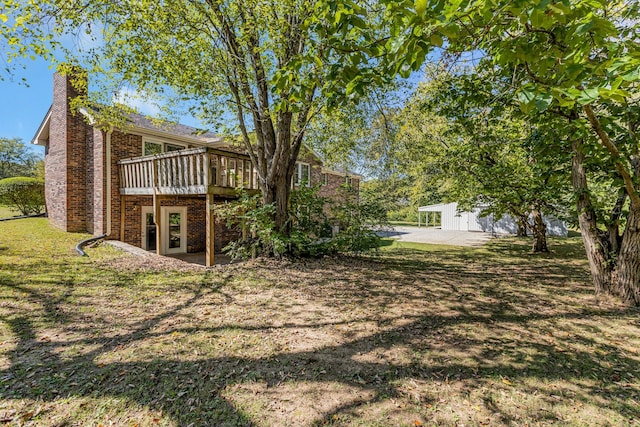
16	159
264	62
463	131
579	59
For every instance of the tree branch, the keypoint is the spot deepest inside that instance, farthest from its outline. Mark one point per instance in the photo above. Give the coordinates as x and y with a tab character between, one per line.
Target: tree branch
615	154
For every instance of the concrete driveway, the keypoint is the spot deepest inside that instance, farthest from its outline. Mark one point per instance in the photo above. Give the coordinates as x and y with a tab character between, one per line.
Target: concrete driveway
437	236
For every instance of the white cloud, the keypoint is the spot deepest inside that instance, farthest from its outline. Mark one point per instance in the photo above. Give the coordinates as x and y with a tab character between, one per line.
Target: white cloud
140	101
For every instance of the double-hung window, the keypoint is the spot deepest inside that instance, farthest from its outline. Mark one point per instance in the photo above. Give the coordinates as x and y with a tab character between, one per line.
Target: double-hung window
302	174
150	147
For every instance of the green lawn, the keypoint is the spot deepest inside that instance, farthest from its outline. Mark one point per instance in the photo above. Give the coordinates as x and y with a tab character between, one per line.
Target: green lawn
417	335
6	212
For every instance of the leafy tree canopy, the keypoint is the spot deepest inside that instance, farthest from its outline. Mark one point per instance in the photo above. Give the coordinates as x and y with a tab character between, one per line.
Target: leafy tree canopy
25	194
265	64
16	159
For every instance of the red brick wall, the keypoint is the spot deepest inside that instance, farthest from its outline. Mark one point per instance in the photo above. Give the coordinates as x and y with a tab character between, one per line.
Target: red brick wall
76	173
74	183
65	161
123	146
196	221
316	166
334	182
55	164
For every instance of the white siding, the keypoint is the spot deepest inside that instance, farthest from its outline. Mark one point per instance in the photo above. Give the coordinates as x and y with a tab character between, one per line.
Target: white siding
474	223
505	225
451	219
555	227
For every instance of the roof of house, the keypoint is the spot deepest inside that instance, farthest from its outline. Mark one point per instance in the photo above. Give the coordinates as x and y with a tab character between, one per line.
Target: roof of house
340	172
175	129
142	124
147	125
42	134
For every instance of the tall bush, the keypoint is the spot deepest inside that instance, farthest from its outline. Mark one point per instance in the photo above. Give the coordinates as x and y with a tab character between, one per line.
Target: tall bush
306	226
309	225
358	222
254	220
23	194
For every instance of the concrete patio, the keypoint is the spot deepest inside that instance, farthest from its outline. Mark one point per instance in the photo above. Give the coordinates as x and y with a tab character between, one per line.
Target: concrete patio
437	236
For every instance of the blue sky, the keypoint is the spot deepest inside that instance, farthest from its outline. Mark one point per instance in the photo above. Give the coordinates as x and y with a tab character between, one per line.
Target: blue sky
22	107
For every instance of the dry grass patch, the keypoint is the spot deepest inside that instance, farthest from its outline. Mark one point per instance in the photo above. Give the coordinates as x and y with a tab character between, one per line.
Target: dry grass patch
419	335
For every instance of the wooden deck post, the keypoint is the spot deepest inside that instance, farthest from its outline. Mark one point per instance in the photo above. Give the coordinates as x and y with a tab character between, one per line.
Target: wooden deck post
122	217
158	221
210	234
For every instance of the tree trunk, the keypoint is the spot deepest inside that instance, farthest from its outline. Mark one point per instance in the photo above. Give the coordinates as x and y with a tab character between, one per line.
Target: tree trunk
522	221
595	244
280	162
613	227
626	277
539	232
278	193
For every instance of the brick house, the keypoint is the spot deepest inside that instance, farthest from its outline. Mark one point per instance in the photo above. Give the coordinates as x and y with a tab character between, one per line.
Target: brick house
150	185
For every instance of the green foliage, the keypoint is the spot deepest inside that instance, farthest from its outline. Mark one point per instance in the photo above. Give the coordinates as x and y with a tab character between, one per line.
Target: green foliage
256	69
337	134
260	236
24	194
460	138
358	222
254	220
310	225
561	58
574	64
485	151
399	195
16	159
577	60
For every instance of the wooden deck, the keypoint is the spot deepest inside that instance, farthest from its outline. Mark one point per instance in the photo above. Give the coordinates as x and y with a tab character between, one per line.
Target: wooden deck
187	172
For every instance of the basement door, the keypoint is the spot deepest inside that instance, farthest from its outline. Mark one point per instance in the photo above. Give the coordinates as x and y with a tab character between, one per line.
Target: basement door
174	229
148	229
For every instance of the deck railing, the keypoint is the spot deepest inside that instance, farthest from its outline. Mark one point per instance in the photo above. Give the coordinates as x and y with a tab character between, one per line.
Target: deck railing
190	171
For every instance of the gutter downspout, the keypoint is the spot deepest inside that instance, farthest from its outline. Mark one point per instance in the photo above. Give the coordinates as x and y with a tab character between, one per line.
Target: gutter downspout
80	246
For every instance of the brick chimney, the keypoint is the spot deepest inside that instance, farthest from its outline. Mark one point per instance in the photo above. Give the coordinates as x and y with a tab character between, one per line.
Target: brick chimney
66	159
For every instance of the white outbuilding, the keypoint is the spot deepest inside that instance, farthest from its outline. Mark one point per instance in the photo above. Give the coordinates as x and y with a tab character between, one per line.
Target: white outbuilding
453	219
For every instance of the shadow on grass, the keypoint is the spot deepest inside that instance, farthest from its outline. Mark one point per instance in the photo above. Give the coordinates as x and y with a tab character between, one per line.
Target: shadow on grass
462	294
559	247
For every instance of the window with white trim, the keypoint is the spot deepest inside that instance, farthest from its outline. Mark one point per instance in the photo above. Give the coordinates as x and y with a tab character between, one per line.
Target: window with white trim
150	147
302	174
348	181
